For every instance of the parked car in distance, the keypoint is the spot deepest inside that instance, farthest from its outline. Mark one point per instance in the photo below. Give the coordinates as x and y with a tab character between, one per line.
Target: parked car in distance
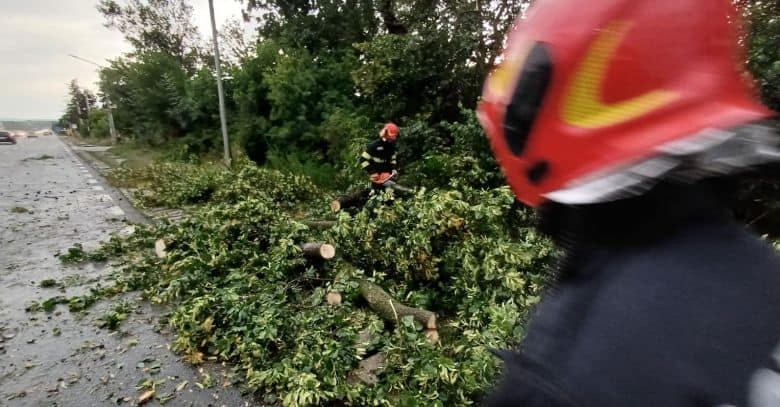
5	137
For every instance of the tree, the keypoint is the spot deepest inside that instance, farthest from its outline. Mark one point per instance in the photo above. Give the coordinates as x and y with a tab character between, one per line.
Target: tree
434	55
148	92
317	25
156	26
98	123
80	103
763	42
237	41
250	93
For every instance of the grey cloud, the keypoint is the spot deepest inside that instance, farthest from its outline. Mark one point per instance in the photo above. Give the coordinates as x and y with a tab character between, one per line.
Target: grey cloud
37	37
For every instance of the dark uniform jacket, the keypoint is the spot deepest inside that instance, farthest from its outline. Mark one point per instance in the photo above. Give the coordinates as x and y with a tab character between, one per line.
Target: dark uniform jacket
379	157
661	301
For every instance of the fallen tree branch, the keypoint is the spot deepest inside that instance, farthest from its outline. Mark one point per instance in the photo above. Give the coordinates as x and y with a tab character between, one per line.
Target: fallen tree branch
320	224
388	308
398	188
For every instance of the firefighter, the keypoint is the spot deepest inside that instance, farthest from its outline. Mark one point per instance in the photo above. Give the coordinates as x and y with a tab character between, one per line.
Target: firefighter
624	123
380	159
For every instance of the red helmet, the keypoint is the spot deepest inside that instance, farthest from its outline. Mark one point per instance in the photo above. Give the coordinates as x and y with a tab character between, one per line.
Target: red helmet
582	91
390	131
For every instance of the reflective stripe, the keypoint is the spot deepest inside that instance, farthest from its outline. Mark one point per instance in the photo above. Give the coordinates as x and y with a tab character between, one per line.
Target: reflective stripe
368	156
364	164
393	162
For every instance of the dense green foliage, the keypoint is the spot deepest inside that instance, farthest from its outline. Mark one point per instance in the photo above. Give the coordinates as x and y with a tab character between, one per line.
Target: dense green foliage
242	291
764	47
323	75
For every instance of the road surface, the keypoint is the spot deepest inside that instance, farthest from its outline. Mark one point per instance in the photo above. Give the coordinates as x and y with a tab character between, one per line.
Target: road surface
49	200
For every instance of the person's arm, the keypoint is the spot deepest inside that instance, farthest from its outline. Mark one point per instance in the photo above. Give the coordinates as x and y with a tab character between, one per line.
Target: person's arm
367	160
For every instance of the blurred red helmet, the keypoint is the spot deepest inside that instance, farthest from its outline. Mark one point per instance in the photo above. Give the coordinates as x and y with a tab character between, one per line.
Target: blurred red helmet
390	131
583	90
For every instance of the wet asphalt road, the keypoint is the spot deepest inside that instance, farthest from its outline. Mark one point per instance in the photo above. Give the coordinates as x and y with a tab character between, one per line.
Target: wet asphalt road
49	200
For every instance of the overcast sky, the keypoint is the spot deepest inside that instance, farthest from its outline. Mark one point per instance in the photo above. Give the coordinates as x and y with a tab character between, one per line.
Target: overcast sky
38	35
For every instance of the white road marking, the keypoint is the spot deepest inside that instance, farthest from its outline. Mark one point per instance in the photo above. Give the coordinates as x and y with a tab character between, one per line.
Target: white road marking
92	181
97	188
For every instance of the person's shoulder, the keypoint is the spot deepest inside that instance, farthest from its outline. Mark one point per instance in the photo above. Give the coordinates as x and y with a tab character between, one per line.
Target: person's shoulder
726	243
699	261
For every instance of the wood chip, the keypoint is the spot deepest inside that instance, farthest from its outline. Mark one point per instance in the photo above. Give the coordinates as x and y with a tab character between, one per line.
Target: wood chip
181	386
146	397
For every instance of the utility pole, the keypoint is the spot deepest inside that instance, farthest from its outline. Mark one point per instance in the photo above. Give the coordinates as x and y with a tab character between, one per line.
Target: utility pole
111	127
222	119
81	121
86	103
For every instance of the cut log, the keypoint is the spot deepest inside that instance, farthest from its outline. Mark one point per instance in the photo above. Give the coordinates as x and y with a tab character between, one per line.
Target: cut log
358	198
388	308
367	370
320	224
333	298
432	335
318	250
159	248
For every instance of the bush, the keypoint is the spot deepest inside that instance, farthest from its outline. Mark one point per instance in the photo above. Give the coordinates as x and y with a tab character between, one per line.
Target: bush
97	123
301	163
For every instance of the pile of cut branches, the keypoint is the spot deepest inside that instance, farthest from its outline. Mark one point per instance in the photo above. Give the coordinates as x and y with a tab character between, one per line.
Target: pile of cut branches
418	292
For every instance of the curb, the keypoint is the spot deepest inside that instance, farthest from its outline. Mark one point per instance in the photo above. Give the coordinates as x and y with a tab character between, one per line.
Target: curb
121	195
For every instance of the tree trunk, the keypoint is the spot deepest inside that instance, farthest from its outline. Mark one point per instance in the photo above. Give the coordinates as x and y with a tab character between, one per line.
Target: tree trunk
322	251
388	308
392	24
